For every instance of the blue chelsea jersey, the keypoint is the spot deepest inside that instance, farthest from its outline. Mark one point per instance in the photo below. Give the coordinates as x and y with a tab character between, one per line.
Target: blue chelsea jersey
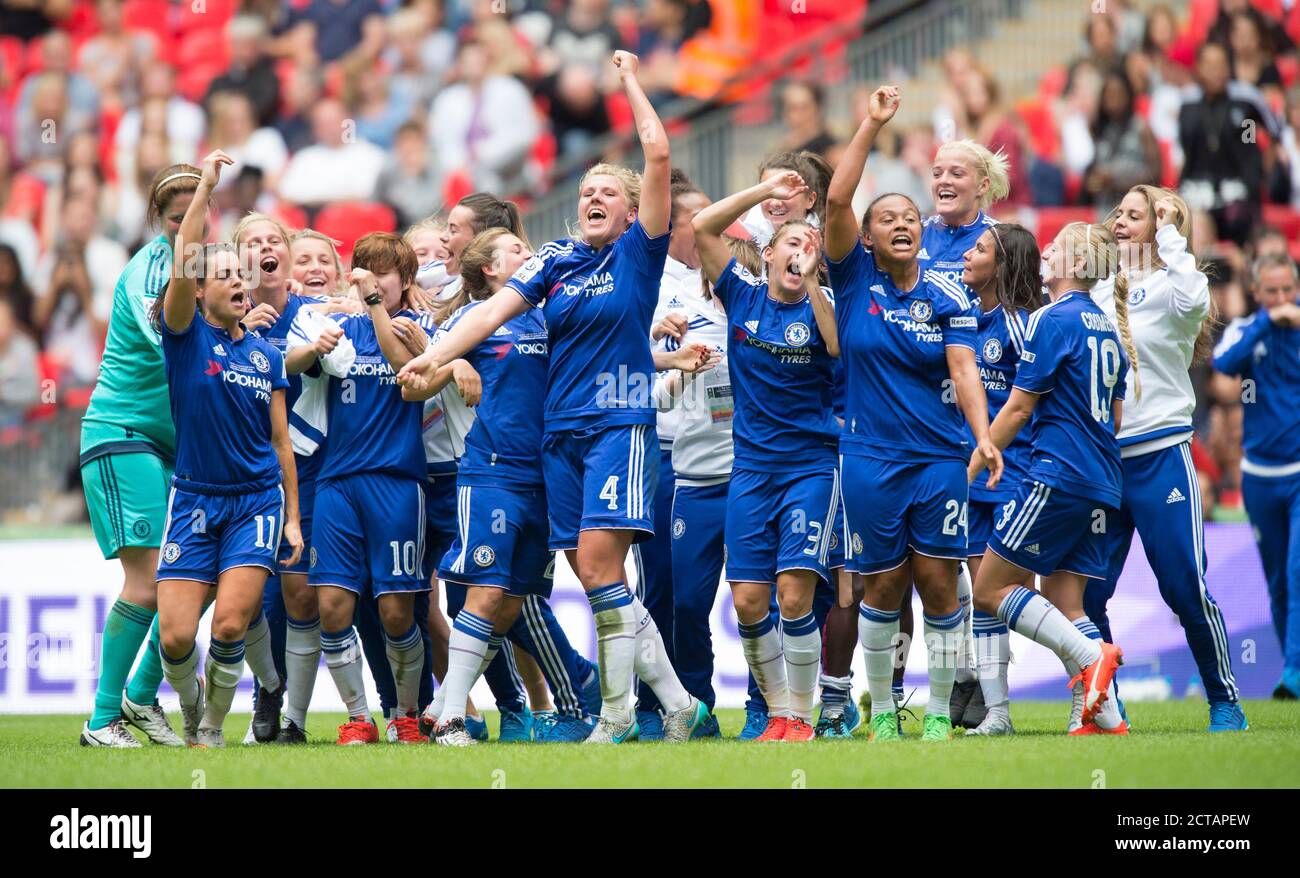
899	401
504	446
782	377
598	306
371	428
221	405
1000	339
1268	356
278	335
943	246
1074	359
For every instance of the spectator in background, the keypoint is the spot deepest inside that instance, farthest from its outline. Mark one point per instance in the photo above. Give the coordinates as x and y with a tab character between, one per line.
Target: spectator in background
339	166
510	51
306	88
408	183
114	58
897	162
576	107
803	113
1077	114
1129	25
20	370
76	280
1101	33
337	25
130	198
585	35
233	128
81	176
44	130
377	111
246	194
419	55
1274	34
1125	153
161	111
665	26
483	125
1252	55
1291	143
57	59
15	291
1167	80
1223	167
251	71
20	199
990	123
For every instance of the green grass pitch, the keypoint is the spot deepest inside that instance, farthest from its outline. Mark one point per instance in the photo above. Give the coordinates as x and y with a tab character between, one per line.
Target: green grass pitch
1168	748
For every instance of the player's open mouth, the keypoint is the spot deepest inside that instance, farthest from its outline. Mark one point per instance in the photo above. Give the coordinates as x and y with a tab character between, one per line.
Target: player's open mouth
237	299
947	196
792	271
314	283
778	210
269	264
596	215
901	240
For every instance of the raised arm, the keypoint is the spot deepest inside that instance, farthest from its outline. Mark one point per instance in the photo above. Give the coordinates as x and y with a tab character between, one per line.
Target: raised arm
180	297
1234	353
655	209
1190	286
711	222
474	326
840	222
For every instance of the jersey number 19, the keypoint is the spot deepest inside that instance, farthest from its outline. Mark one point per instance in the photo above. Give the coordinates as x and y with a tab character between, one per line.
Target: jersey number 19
1105	374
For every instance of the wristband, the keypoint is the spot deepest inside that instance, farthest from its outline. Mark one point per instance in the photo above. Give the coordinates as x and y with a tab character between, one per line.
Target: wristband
374	298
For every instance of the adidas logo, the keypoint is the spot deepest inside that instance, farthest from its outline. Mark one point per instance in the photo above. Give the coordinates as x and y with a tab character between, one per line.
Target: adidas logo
877	288
923	254
219	350
751	325
501	330
1175	496
1032	549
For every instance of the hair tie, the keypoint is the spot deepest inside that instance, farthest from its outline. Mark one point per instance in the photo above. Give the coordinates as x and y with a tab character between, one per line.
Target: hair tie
166	180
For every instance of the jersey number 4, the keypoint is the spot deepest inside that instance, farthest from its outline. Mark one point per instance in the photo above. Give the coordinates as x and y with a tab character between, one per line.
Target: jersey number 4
610	492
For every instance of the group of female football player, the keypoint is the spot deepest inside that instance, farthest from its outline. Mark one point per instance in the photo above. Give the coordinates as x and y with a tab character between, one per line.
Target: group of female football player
838	409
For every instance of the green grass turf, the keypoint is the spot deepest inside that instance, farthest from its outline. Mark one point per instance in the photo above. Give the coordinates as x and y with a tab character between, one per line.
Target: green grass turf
1168	748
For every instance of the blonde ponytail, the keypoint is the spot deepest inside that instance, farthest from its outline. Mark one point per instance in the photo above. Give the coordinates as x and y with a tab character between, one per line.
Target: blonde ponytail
1125	333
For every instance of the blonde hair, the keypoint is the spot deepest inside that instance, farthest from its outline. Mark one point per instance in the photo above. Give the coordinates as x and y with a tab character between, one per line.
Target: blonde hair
992	166
630	180
340	284
433	223
747	256
1152	194
1100	251
476	256
255	217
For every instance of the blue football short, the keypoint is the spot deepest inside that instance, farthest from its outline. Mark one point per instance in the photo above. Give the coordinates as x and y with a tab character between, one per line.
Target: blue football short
306	504
208	534
1045	529
439	518
894	508
501	541
600	479
369	534
980	519
780	521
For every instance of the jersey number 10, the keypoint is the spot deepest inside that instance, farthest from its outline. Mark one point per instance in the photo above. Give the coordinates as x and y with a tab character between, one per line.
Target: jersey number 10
1105	374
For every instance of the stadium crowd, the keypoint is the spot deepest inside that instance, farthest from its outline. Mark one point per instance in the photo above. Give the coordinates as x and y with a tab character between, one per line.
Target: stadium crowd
321	102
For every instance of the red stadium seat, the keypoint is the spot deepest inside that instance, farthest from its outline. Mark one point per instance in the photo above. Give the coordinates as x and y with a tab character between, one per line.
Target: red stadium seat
1052	83
1052	219
1289	68
192	81
150	15
214	15
348	221
204	47
1044	135
12	59
1285	218
456	186
620	112
293	217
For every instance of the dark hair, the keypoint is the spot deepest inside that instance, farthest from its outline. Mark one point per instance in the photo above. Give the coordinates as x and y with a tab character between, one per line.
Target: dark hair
491	212
1148	42
679	185
1113	74
814	169
866	215
815	89
1019	284
200	277
166	185
19	294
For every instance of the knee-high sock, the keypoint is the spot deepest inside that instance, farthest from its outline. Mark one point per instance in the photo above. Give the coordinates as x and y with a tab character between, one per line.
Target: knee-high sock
653	665
437	708
1029	613
143	688
406	658
801	643
992	656
965	647
942	636
616	648
224	667
257	650
182	676
124	630
343	658
761	643
467	648
878	631
301	661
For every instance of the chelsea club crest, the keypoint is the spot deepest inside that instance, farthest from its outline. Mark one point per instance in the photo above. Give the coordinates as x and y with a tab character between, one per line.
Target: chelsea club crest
1137	296
992	351
260	361
484	556
921	312
796	335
